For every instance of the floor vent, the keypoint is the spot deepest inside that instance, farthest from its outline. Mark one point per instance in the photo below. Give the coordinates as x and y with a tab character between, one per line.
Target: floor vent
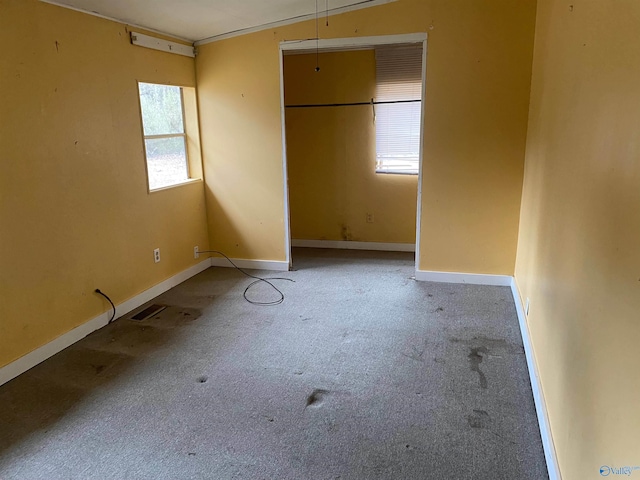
150	311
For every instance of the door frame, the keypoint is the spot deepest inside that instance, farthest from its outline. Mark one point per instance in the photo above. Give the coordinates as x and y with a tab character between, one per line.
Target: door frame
341	44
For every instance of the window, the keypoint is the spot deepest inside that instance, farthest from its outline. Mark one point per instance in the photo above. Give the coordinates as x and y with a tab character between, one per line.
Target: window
165	139
398	82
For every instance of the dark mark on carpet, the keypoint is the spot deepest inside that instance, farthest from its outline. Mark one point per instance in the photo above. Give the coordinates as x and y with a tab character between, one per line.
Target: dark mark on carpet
416	354
475	359
490	343
316	398
479	419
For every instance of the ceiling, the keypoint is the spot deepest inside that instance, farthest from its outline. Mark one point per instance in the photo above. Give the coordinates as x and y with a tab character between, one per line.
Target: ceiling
197	20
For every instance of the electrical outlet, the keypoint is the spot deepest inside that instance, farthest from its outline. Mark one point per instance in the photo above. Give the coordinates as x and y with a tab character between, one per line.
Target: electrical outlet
526	307
370	218
196	252
156	255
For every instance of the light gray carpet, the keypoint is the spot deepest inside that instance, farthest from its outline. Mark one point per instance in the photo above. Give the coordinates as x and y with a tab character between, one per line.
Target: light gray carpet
362	373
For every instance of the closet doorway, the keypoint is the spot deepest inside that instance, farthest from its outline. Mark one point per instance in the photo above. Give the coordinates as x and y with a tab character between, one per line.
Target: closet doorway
352	116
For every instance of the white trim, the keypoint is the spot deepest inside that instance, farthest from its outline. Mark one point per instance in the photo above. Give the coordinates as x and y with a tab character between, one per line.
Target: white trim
160	288
251	264
344	245
538	395
290	21
469	278
421	154
155	43
352	43
117	20
188	181
285	175
165	135
30	360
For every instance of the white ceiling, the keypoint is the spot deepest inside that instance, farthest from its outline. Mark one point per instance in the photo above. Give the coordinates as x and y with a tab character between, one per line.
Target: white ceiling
202	19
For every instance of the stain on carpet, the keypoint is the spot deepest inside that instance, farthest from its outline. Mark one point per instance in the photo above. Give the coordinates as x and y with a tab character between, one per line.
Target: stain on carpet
317	398
475	359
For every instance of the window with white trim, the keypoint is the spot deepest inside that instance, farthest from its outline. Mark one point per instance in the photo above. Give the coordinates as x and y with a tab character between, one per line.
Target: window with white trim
398	108
165	139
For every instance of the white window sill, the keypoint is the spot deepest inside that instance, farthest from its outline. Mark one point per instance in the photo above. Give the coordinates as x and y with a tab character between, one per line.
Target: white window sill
181	184
391	172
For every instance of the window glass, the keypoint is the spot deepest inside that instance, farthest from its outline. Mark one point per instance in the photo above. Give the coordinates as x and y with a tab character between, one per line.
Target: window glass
166	161
164	134
161	109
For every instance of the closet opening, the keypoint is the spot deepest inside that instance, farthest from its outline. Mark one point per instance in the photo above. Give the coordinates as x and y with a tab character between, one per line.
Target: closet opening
352	116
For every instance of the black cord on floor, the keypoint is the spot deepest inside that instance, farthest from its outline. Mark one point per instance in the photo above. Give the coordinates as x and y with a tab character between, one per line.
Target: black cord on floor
112	305
258	280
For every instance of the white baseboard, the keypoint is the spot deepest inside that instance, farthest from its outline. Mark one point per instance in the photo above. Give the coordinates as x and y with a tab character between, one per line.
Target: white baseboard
344	245
279	266
30	360
538	396
469	278
39	355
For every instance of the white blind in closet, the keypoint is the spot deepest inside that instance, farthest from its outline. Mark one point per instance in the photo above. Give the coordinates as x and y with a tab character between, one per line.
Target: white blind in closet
398	78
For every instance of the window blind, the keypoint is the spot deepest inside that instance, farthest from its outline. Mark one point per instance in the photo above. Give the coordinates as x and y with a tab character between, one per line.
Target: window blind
398	78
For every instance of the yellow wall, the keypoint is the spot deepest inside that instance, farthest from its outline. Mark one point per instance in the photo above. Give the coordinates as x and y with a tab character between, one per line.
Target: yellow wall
579	248
75	214
478	78
331	155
